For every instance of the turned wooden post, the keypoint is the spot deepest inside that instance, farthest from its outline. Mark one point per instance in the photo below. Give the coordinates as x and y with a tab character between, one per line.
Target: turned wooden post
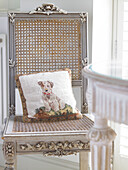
9	151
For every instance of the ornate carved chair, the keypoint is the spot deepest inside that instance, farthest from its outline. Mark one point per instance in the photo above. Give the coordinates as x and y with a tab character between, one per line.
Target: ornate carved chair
58	138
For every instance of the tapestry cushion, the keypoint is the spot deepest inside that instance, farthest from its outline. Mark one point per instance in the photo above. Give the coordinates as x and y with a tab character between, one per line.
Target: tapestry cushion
47	96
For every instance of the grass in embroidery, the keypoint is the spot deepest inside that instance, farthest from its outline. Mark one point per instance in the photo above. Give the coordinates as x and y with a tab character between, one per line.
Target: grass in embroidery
42	113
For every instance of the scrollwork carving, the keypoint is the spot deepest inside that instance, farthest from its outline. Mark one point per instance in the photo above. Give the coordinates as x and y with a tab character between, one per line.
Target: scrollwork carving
85	107
12	17
102	135
11	63
56	148
59	152
48	9
8	149
85	62
83	17
12	110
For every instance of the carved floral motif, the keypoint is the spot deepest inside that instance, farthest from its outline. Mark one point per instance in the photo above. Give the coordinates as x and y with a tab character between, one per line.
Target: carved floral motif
59	152
12	110
11	63
84	62
48	9
12	17
83	17
8	149
85	108
56	148
101	135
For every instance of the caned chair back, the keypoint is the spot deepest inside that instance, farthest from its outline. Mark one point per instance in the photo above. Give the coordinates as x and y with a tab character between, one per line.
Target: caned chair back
41	42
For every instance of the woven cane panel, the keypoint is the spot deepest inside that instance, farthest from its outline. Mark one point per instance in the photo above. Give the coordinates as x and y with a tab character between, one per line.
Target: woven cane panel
44	45
67	125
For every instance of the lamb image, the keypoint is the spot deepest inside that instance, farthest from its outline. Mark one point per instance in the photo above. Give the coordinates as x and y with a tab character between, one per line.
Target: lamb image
51	101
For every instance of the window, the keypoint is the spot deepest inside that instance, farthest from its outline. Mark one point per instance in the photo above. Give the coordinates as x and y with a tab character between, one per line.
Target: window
120	54
124	140
120	34
125	38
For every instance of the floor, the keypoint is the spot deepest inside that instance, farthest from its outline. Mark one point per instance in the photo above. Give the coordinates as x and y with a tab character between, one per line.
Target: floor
32	162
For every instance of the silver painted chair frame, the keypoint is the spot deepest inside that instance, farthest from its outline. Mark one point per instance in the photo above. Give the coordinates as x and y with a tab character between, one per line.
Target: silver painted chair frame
57	143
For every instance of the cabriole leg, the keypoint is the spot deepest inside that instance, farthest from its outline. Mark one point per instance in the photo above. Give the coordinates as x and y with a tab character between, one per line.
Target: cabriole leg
101	137
9	151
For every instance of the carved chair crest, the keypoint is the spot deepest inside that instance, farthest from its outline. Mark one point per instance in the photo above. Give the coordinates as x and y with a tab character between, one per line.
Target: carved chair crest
48	9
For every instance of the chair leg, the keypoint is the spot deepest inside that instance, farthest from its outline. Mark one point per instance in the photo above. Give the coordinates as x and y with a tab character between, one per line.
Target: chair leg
83	160
8	168
9	151
15	163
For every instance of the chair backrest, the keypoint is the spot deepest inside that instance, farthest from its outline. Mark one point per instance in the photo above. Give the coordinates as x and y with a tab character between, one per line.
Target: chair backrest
45	40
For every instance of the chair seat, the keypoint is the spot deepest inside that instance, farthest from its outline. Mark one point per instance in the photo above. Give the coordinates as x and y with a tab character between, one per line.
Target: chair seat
69	125
17	126
51	138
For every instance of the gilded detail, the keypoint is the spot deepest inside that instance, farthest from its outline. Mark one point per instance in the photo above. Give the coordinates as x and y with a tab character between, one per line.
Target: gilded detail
59	152
11	63
83	17
12	110
12	17
8	149
56	148
48	9
85	108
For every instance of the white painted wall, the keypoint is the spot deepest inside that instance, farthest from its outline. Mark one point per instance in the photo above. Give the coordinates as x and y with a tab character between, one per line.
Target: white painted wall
3	80
3	24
